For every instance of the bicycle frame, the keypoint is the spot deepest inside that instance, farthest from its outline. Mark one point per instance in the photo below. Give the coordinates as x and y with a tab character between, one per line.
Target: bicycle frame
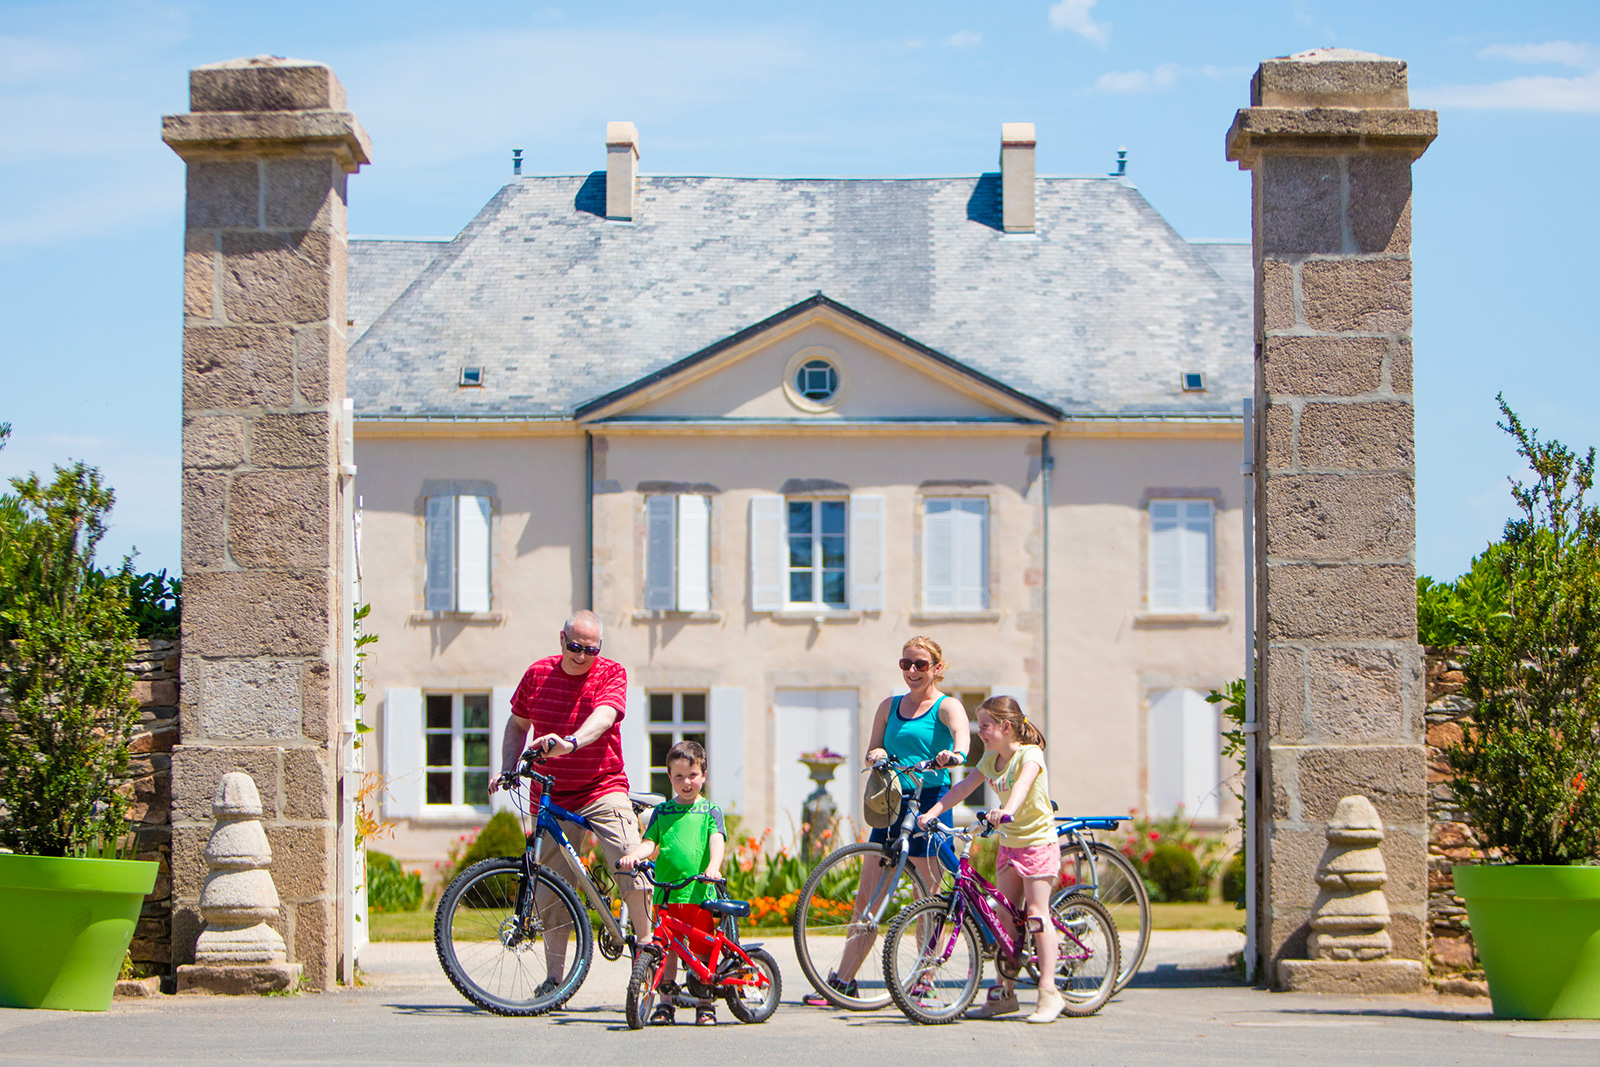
672	936
910	786
1081	830
548	822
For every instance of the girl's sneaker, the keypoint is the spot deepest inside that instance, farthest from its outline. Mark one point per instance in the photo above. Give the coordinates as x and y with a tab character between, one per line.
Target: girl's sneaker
817	1000
1051	1004
1000	1002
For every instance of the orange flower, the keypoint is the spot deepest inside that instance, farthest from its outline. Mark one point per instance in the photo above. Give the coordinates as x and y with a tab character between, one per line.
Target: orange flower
1577	782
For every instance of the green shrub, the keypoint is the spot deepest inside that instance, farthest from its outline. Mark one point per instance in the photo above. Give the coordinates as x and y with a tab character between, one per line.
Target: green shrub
1175	874
391	887
1466	610
501	836
66	706
1233	879
1528	763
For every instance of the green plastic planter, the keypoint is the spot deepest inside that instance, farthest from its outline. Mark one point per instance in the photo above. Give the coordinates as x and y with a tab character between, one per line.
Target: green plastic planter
68	924
1538	934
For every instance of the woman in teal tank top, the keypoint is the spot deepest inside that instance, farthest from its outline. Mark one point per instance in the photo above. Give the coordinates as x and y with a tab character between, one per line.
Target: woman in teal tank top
920	725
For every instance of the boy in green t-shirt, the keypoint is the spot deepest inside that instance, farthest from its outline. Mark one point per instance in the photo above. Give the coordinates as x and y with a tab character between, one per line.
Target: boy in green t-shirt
685	837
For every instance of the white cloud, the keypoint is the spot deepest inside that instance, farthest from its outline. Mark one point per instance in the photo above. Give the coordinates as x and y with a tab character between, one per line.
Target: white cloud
1128	82
1075	15
1565	53
1539	93
964	39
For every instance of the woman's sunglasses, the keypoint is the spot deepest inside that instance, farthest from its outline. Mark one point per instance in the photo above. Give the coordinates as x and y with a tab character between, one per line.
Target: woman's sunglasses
915	664
580	650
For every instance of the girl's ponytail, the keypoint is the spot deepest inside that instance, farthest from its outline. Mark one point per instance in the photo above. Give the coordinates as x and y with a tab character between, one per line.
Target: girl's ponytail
1005	709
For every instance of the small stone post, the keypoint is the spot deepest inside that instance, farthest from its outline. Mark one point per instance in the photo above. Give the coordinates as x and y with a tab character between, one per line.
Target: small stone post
268	144
238	952
1349	942
1329	140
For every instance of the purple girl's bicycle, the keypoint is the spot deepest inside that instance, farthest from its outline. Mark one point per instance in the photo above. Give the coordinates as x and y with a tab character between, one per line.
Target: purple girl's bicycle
934	951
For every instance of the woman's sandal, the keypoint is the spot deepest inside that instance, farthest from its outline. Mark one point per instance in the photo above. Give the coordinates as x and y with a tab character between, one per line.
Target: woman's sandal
664	1015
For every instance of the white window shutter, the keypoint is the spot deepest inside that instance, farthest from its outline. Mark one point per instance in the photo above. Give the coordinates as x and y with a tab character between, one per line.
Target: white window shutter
635	753
726	738
865	557
971	538
1166	559
1202	755
402	753
938	554
767	553
658	554
499	716
1197	555
1164	766
472	553
439	548
694	553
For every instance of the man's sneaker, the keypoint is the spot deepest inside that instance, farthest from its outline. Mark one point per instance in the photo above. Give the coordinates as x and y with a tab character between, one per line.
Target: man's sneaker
545	988
1051	1004
844	989
999	1002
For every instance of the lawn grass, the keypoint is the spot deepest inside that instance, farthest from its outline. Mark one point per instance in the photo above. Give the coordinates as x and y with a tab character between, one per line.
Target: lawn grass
1196	917
401	925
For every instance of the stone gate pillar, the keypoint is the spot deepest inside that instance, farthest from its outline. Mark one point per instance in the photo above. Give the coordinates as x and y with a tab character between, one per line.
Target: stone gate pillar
268	144
1329	140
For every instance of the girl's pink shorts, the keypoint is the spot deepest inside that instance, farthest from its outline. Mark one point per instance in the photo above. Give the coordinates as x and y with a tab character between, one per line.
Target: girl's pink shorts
1035	861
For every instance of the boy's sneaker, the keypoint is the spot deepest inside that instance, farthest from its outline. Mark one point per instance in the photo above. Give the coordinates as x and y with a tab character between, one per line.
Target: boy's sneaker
848	989
999	1002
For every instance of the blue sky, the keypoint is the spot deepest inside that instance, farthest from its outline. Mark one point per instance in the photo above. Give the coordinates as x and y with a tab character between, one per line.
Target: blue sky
1506	217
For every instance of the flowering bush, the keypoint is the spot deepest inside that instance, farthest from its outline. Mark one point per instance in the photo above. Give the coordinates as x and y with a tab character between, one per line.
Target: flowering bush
1153	845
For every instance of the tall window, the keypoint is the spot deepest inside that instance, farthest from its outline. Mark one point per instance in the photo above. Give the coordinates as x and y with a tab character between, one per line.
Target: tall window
457	747
673	717
677	553
1182	567
955	553
457	541
817	552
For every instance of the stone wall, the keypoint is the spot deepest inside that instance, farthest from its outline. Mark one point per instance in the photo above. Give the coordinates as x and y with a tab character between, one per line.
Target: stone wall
1452	959
156	686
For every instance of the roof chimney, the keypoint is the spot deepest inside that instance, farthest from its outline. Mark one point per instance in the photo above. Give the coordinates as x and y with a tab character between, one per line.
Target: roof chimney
1016	176
622	169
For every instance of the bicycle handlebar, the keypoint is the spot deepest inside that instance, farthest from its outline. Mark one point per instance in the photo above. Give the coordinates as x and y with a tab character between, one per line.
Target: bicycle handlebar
648	869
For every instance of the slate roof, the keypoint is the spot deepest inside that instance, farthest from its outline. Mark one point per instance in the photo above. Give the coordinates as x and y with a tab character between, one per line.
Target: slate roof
1098	313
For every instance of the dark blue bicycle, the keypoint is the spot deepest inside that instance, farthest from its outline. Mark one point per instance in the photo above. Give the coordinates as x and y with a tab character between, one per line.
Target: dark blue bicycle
512	934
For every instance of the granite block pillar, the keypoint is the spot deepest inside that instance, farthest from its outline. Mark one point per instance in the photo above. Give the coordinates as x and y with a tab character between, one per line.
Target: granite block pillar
1329	140
268	145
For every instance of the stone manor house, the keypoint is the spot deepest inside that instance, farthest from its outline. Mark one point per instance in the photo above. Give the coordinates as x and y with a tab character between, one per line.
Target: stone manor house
771	428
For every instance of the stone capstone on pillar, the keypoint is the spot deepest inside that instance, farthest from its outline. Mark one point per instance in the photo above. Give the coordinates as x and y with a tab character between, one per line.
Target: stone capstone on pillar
238	952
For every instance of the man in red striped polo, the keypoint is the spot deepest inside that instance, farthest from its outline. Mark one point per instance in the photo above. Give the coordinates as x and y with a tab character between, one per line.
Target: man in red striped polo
573	704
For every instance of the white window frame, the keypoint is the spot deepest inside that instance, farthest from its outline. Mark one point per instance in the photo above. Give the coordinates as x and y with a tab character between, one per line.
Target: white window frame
955	553
458	537
1181	555
457	768
818	571
677	557
678	728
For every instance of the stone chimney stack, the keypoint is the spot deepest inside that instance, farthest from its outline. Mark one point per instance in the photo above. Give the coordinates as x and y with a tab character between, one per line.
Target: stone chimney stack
1016	176
622	170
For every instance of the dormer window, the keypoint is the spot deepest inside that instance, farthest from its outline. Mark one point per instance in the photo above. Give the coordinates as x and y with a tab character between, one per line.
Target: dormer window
1194	381
471	376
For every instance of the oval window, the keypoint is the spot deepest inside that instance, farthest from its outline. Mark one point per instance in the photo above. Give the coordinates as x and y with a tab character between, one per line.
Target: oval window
817	380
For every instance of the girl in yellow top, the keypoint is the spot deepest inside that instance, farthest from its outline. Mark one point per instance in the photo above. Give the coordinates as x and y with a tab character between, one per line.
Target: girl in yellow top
1029	861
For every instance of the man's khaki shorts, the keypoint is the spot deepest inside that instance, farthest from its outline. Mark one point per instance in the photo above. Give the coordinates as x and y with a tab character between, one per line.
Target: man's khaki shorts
616	828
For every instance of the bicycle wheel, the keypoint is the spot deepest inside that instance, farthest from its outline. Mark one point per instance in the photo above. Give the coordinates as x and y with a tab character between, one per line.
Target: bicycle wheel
933	970
508	962
833	929
751	1003
1120	891
1086	968
642	987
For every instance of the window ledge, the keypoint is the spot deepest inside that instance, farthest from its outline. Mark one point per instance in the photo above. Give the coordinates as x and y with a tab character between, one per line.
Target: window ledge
1160	619
674	615
453	815
956	615
800	614
471	618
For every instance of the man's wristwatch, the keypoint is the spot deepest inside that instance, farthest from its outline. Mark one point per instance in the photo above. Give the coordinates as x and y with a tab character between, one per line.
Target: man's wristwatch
572	739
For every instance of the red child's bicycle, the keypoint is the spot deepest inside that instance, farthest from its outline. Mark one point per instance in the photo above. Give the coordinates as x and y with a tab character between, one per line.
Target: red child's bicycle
746	976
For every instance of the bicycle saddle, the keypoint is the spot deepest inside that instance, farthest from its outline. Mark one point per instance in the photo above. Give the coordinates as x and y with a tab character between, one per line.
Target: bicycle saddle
739	909
645	800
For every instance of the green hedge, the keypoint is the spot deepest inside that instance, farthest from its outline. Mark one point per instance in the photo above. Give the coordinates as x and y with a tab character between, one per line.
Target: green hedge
391	887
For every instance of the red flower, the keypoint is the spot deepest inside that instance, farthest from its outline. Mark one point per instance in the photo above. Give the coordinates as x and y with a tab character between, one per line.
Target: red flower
1154	836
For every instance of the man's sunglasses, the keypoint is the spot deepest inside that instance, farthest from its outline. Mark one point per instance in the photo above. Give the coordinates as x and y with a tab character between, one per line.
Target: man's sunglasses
580	650
915	664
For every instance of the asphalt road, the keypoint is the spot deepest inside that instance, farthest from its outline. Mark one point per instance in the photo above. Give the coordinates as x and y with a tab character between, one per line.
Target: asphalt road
1181	1010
